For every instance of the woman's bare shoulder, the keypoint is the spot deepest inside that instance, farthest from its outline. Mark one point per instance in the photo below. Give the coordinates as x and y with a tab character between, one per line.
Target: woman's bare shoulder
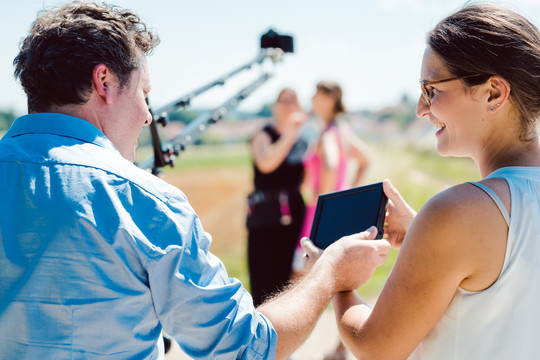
462	217
464	228
467	201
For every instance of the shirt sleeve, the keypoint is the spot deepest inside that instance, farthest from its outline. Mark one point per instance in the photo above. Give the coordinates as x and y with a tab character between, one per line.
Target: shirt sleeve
210	315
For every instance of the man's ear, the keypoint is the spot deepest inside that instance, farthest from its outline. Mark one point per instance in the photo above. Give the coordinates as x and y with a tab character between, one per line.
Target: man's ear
102	78
499	91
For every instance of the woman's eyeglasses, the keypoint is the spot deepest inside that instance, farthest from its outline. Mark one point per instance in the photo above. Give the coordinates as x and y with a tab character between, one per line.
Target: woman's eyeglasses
426	93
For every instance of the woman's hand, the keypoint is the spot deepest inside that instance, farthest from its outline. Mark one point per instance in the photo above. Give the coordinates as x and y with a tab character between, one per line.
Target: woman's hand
399	215
295	121
268	156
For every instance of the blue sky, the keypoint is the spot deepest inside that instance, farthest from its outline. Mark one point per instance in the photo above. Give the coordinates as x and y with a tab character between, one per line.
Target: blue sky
373	48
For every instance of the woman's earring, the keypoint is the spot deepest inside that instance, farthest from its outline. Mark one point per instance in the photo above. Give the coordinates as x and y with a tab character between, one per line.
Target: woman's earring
493	108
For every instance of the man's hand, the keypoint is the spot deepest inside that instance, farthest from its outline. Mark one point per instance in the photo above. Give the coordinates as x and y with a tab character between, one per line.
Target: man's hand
352	259
343	266
399	215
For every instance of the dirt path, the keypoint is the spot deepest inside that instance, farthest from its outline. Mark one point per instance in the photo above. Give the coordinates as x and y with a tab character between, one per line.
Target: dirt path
218	196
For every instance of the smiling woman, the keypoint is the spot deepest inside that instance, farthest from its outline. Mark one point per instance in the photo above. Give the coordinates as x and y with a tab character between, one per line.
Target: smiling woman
471	248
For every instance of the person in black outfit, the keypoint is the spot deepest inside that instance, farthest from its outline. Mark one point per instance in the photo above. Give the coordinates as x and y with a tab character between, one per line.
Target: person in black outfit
276	209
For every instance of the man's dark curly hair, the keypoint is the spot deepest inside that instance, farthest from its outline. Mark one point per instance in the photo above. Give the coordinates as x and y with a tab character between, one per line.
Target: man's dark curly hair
64	44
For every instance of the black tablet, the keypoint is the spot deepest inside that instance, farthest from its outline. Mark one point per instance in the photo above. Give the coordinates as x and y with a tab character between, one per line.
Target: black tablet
348	212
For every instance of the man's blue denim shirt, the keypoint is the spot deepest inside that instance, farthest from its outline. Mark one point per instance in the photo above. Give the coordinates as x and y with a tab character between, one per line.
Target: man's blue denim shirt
97	256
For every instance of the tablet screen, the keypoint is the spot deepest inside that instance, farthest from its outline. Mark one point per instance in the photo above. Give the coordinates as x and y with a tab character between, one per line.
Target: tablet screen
348	212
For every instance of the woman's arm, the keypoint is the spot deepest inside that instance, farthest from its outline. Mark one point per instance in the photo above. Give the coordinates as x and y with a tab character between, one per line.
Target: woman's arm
329	151
357	150
457	239
267	155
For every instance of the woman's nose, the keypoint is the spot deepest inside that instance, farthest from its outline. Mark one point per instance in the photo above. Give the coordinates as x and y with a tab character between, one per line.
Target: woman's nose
422	107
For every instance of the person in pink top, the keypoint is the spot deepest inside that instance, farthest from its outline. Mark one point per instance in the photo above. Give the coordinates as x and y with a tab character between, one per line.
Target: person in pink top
325	165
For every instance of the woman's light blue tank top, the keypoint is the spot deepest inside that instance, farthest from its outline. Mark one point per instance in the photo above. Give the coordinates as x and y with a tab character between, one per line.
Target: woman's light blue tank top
503	321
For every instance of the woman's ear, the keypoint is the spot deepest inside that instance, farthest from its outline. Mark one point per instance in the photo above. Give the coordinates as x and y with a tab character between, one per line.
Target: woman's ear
102	80
498	93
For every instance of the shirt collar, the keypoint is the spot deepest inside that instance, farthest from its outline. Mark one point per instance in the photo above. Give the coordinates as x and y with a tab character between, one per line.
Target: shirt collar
59	124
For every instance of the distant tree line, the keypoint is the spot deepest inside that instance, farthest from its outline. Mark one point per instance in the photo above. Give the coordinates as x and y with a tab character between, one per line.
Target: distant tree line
184	116
266	111
404	113
6	119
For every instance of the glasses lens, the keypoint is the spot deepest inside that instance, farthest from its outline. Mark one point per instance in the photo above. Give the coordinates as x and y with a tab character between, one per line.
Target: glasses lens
425	94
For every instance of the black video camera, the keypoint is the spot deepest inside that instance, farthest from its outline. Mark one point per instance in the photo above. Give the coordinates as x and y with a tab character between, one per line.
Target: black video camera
273	40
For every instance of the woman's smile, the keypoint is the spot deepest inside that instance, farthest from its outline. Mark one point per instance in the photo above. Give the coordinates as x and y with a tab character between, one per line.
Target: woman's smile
439	126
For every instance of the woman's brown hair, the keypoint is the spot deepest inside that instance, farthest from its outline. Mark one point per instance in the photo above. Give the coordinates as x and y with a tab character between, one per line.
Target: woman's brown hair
334	89
491	40
290	91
